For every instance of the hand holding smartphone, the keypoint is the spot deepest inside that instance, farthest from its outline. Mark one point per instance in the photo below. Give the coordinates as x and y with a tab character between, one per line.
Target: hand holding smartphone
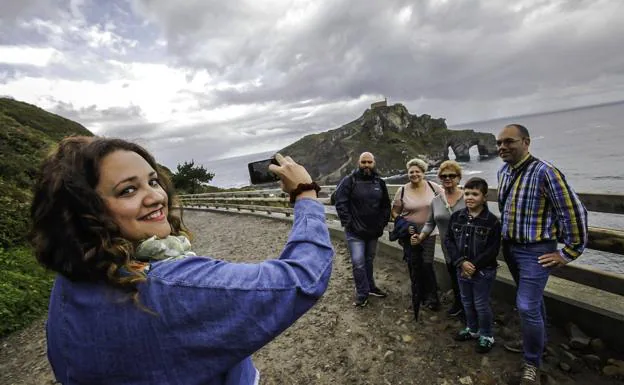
259	172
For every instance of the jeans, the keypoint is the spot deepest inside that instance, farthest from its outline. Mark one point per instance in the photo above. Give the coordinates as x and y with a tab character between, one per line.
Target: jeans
532	278
362	256
475	296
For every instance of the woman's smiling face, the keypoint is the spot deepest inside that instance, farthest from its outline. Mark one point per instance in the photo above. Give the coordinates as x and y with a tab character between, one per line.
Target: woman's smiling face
133	196
415	174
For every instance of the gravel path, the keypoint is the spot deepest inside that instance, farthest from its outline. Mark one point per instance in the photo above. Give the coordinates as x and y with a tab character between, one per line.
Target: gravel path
334	343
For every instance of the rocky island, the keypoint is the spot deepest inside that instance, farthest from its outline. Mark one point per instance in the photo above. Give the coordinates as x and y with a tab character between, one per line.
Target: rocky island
393	135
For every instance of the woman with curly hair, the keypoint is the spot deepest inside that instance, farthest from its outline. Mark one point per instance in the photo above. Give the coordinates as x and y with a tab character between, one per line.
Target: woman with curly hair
131	303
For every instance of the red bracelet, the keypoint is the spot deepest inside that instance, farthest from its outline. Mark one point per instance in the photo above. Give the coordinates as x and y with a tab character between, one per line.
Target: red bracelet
301	187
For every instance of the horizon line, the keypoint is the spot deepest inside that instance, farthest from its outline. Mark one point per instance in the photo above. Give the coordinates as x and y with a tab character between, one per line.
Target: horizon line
547	112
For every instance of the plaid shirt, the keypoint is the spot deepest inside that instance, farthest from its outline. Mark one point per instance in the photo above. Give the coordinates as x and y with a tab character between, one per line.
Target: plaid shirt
542	206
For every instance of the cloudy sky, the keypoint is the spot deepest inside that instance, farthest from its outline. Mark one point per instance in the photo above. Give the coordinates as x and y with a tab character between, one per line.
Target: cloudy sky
209	79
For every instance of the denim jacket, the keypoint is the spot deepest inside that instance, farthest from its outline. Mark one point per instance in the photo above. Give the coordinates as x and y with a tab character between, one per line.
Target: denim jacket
473	239
208	316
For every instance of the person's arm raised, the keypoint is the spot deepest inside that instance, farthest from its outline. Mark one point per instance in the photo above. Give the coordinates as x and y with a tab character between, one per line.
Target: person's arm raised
222	312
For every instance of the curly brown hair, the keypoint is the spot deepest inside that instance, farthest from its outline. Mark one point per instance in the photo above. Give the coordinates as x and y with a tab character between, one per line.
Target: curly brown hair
72	232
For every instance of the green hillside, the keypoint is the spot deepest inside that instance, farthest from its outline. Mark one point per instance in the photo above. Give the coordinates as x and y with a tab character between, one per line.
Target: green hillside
26	134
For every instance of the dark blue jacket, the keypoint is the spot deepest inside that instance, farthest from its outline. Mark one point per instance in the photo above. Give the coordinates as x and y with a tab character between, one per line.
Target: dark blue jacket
473	239
363	204
210	315
401	229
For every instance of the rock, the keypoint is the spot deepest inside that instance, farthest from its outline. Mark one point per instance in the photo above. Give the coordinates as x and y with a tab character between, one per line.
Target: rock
564	346
597	346
592	360
613	371
390	131
578	339
434	318
570	360
485	362
565	367
388	356
407	338
466	380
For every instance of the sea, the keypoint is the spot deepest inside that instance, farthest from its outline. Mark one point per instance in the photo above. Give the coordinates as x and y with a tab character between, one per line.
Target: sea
586	144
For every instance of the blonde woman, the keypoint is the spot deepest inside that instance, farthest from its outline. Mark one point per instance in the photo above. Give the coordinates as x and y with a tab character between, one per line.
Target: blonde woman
442	206
410	210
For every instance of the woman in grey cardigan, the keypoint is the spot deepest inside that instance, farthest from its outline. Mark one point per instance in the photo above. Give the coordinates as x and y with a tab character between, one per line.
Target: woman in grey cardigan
442	206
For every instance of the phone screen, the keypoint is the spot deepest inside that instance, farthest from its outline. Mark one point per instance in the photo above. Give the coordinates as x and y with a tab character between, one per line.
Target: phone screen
259	171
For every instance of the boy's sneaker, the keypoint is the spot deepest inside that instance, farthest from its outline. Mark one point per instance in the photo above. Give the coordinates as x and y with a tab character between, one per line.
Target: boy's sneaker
360	302
455	310
465	335
530	375
485	344
377	292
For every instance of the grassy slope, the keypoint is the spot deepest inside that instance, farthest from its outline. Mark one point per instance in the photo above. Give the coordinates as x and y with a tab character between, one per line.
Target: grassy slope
26	134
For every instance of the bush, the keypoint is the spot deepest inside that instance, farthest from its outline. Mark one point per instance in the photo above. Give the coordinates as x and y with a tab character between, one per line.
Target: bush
24	289
14	215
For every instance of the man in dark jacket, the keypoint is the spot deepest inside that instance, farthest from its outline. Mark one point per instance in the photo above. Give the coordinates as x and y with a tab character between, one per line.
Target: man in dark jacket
363	206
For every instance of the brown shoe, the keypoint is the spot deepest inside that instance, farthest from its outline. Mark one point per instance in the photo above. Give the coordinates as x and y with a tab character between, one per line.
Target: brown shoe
530	375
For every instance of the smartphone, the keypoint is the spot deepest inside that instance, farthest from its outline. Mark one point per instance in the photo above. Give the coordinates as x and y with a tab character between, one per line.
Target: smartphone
259	171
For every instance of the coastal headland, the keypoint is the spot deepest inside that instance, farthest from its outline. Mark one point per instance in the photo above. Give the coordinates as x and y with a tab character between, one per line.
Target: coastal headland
394	135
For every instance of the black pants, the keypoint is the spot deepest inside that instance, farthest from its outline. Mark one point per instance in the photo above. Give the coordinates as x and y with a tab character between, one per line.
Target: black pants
422	277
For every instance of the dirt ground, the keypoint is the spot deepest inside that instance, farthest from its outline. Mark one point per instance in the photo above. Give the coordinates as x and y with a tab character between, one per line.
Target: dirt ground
335	343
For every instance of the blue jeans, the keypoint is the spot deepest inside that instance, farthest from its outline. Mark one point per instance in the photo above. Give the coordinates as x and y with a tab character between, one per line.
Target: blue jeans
532	278
362	256
475	296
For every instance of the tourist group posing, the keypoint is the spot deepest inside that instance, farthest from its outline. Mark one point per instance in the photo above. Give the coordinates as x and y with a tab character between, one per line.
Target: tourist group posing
538	209
128	284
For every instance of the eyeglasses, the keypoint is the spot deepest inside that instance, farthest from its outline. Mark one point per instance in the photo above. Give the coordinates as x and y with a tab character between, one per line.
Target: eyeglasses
506	142
448	176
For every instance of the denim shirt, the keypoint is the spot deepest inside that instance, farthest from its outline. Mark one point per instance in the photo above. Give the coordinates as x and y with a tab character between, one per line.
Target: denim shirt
473	239
209	315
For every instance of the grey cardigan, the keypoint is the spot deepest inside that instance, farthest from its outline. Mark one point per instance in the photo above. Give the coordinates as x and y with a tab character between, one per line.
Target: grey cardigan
440	215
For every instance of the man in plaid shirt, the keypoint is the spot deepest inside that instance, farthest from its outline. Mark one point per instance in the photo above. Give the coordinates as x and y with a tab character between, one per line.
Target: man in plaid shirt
538	209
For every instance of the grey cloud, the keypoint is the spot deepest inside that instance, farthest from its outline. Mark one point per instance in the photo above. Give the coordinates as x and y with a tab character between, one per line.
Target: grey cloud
276	128
464	60
93	114
468	49
15	10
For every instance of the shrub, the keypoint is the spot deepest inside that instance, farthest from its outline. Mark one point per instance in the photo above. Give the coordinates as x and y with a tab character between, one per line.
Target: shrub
24	289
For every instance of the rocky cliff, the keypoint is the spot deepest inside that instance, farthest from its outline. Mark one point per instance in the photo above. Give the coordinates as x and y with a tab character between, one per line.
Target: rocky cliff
393	135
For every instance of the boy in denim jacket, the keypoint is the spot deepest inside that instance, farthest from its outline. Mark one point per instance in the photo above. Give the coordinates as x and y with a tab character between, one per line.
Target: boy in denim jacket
473	241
